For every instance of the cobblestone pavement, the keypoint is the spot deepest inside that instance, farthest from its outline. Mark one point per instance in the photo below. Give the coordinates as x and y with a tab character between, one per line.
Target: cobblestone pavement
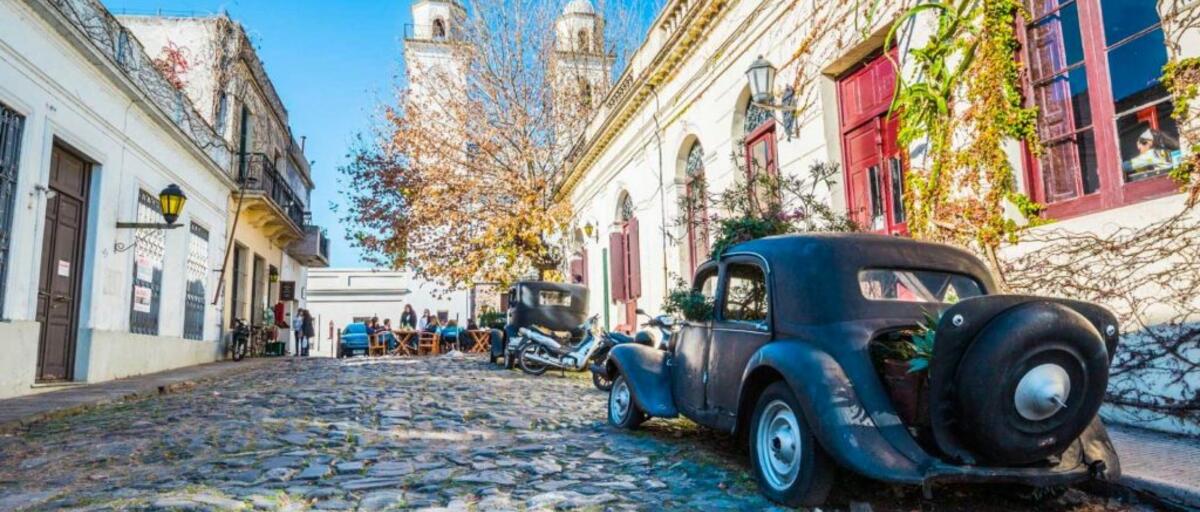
450	433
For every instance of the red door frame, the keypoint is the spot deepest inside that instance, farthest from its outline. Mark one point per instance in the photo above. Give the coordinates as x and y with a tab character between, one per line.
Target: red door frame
873	118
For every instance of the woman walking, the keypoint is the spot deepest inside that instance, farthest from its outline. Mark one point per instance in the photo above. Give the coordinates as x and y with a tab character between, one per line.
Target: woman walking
309	330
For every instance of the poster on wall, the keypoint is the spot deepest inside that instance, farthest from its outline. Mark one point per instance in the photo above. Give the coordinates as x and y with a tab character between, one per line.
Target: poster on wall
142	298
287	291
145	269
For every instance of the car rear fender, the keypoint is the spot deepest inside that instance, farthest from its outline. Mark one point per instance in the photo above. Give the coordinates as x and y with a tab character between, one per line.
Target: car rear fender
649	377
842	426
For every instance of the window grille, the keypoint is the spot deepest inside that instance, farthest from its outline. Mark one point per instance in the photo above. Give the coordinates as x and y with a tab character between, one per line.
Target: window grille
10	145
149	249
197	275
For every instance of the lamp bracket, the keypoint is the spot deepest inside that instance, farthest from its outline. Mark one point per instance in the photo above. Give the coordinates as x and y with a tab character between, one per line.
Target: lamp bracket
122	247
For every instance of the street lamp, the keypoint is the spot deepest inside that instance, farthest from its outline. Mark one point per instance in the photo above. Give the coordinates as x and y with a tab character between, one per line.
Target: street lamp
762	80
170	201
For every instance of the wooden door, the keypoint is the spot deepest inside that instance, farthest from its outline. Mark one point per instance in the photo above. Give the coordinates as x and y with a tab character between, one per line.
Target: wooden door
62	265
872	156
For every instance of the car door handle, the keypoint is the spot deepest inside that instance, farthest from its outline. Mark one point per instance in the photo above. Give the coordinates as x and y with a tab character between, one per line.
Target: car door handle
61	298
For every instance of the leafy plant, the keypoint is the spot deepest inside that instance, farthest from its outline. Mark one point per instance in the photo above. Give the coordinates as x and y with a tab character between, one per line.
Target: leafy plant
684	300
491	318
921	344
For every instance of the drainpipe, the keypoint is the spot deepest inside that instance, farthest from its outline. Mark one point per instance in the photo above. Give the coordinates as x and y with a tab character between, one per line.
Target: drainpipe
662	203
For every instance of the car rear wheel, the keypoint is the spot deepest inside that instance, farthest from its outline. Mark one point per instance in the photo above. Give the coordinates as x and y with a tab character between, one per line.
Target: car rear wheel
623	411
789	465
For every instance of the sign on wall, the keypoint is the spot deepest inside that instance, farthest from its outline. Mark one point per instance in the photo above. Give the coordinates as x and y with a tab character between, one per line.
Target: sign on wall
287	291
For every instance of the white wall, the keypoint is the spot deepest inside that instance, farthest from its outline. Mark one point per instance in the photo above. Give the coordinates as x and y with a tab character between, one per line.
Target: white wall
70	95
340	295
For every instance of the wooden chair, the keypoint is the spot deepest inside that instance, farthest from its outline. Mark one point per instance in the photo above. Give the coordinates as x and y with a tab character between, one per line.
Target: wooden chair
428	343
482	339
376	346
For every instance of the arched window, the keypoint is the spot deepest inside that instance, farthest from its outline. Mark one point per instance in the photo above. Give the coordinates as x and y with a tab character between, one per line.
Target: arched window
762	158
439	29
582	41
625	208
755	117
697	206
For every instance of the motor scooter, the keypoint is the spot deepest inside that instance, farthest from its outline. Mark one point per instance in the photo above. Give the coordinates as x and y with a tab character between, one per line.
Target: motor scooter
661	328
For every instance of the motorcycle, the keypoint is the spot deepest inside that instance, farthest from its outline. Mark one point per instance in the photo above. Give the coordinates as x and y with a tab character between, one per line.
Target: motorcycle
541	350
239	341
662	325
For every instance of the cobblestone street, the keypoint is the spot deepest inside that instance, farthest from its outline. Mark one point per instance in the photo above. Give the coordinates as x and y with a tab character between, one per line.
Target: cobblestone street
405	433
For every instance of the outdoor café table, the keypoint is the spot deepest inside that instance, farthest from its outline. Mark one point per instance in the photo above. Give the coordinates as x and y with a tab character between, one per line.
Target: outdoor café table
403	346
482	339
428	343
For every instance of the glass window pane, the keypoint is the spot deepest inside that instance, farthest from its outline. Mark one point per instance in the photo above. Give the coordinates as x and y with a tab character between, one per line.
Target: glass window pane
1055	43
746	296
1149	141
875	182
1123	18
1063	163
1135	69
897	190
917	286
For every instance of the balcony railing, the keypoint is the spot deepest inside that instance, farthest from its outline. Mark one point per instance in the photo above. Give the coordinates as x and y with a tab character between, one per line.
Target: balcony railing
258	174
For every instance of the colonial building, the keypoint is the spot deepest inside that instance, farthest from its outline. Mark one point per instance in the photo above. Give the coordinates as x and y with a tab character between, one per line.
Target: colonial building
273	241
90	132
681	112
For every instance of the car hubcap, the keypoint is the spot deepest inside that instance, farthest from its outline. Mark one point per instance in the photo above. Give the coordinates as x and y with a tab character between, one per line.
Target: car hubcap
1042	392
618	402
779	448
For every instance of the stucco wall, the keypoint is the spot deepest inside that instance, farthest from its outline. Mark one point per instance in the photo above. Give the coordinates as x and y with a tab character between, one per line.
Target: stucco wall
73	96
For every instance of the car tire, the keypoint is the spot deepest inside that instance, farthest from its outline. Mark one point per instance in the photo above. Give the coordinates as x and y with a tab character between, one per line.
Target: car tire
623	410
527	366
1009	382
789	465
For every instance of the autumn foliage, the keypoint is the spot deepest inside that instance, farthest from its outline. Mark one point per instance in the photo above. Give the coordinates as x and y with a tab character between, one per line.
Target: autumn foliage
458	183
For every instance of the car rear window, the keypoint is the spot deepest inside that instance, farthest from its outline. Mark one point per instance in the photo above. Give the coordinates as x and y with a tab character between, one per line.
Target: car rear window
928	286
554	298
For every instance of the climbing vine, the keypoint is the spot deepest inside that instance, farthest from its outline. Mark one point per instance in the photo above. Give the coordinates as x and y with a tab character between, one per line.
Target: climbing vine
1182	79
961	105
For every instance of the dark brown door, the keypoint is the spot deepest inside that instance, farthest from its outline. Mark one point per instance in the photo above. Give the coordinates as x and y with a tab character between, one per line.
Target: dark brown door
62	264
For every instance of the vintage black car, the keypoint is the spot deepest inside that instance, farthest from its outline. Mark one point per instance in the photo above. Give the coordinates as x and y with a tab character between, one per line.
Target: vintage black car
556	309
786	361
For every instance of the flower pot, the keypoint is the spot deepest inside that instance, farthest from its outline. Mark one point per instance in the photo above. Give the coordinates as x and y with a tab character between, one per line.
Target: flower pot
908	392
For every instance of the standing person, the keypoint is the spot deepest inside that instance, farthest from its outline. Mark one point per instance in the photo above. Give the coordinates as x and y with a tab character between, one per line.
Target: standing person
298	330
408	319
309	331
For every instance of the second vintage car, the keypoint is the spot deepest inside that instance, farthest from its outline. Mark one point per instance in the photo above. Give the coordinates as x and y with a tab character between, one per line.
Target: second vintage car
795	358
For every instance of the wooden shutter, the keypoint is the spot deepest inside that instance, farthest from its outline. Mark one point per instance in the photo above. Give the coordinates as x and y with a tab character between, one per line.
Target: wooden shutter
635	260
616	263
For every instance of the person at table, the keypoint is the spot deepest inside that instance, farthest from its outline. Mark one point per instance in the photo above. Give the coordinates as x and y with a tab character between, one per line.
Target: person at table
408	319
423	321
431	323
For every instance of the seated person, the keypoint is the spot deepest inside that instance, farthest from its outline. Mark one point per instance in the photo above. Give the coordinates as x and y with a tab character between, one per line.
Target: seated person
1155	154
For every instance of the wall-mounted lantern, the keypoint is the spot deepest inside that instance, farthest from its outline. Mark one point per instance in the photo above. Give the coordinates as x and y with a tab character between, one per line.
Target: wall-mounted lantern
761	76
170	201
588	229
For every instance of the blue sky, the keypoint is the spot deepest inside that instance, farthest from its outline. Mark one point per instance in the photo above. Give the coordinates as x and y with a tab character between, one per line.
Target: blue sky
332	62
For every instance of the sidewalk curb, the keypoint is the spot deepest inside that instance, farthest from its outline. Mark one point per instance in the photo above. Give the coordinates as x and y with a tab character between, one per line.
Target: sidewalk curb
150	389
1173	496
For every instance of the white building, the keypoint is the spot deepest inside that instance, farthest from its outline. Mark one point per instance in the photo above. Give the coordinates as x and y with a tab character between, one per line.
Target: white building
90	133
682	108
337	297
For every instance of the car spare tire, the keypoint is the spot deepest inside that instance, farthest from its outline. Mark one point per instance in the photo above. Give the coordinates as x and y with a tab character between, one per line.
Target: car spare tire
1030	383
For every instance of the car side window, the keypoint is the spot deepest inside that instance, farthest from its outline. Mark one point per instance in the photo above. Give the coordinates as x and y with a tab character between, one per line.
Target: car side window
706	284
745	294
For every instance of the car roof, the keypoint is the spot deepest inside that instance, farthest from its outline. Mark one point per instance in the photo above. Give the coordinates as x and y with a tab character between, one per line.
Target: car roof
818	272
